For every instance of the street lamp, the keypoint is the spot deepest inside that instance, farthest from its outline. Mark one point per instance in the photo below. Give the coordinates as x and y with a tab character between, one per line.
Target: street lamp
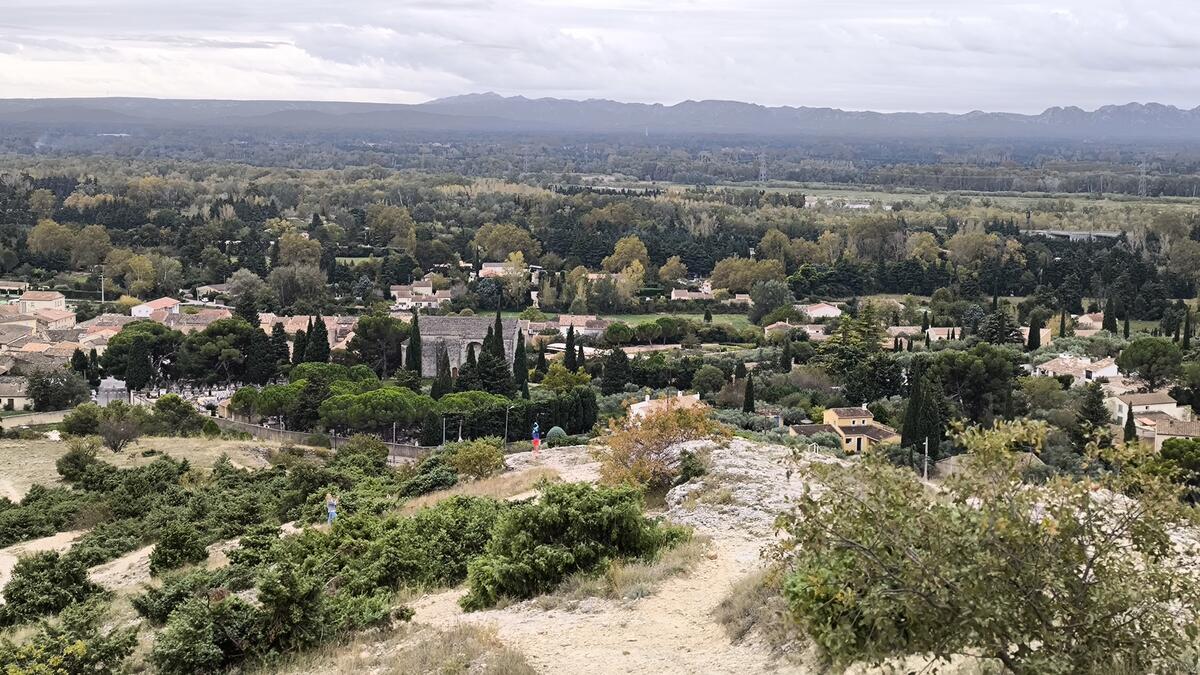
506	424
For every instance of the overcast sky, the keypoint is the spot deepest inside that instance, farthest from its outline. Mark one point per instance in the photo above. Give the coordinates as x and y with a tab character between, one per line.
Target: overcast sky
953	55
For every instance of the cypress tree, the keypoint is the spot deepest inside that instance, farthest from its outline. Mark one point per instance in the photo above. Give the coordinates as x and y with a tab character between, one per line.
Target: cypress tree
1186	342
494	375
748	398
616	372
412	357
317	348
1130	429
468	375
707	315
247	309
486	346
521	366
1035	332
299	345
138	369
785	356
580	361
925	320
1093	414
1127	326
443	384
540	367
93	369
569	353
1062	324
923	415
279	343
1109	323
739	371
260	365
498	337
79	361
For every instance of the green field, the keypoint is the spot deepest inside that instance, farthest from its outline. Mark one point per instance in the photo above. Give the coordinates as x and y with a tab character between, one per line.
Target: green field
735	320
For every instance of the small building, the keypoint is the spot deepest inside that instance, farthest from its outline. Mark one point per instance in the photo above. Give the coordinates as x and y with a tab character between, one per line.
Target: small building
210	291
1043	334
492	270
820	310
858	428
584	324
685	295
1155	401
1080	368
10	288
1093	321
14	393
146	309
779	328
419	295
650	406
32	301
111	389
54	319
739	299
191	322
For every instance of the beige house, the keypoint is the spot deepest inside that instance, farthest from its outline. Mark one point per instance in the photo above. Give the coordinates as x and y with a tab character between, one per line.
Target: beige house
419	295
13	395
31	301
855	426
54	319
146	309
820	310
1139	404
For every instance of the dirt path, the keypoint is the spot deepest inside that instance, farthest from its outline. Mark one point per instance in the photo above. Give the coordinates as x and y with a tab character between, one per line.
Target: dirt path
55	542
7	489
671	631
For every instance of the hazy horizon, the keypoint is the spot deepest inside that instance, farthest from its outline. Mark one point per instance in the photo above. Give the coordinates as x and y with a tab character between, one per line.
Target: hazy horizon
918	56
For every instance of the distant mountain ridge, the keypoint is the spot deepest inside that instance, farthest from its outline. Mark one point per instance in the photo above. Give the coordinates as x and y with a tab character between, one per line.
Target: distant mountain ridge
491	112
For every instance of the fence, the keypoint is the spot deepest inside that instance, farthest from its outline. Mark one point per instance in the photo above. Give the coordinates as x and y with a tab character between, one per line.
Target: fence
397	452
30	419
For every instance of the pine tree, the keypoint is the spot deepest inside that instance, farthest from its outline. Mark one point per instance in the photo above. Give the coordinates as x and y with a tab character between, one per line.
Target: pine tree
1109	323
299	346
520	366
317	348
569	353
616	372
1130	428
279	343
138	369
442	384
412	356
748	397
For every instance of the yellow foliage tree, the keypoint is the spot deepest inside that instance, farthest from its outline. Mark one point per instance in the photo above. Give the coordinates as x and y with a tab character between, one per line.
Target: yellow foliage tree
639	451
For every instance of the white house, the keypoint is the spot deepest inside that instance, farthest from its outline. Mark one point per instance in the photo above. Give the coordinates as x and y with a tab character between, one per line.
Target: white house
1153	402
419	295
1081	368
144	310
820	310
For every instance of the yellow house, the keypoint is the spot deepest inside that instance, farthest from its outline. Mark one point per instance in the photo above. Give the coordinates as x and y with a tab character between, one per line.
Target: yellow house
858	428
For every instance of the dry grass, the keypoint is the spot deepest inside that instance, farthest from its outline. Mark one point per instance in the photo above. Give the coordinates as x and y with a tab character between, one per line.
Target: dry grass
756	604
24	464
503	486
628	580
413	648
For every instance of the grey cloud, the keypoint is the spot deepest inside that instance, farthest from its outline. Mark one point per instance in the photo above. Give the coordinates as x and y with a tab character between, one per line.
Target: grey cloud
880	54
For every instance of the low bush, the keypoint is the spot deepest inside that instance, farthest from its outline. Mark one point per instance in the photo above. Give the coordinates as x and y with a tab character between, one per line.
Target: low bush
640	452
433	473
479	458
77	643
42	512
204	636
573	527
84	420
179	545
44	583
78	459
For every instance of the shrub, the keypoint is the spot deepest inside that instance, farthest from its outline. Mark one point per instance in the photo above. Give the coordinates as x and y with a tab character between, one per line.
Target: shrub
555	434
78	459
84	420
433	473
204	637
44	583
640	452
573	527
179	545
210	429
120	424
107	541
362	452
156	603
73	645
175	416
479	458
42	512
